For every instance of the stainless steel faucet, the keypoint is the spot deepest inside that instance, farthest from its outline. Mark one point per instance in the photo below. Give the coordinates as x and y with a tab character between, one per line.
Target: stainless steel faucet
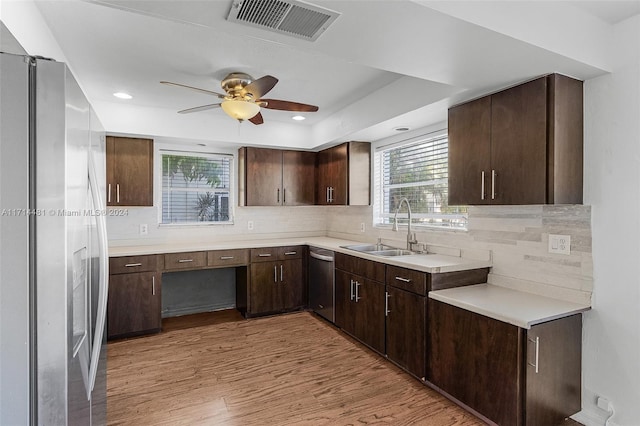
411	238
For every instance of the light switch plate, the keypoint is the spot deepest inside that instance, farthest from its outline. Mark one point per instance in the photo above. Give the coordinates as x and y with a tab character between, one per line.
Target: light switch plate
559	244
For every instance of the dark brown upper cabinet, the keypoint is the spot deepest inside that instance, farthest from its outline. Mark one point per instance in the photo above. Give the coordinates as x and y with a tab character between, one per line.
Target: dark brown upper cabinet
343	175
273	177
129	171
523	145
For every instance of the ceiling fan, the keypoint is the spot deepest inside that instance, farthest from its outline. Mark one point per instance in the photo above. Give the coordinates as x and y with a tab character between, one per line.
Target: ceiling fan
243	98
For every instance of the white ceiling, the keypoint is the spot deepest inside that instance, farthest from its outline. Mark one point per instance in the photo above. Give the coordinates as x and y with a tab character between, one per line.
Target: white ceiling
382	64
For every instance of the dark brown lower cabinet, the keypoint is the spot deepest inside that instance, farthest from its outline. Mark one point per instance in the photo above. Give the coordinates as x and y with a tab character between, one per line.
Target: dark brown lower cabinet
406	324
511	375
134	304
276	286
360	308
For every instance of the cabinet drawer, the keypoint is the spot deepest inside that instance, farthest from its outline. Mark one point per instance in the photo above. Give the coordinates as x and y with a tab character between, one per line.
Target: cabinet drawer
228	257
290	252
129	264
407	279
363	267
264	254
187	260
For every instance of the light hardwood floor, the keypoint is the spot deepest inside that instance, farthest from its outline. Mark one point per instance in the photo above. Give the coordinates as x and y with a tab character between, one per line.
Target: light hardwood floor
292	369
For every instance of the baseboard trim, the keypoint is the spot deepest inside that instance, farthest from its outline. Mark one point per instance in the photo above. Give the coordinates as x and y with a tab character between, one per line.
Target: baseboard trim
591	418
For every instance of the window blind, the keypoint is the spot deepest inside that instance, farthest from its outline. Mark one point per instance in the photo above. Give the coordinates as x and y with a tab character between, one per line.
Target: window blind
196	187
417	171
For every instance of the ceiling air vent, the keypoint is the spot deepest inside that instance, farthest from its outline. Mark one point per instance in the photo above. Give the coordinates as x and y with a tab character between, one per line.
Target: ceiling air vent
289	17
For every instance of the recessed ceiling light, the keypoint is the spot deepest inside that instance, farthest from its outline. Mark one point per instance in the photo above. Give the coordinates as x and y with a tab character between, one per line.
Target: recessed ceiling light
401	129
122	95
298	117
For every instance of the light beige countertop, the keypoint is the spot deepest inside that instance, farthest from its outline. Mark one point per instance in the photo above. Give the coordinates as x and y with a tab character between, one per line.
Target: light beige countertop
512	306
432	263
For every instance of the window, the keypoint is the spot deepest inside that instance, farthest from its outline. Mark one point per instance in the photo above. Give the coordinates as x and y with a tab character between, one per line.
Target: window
196	187
418	171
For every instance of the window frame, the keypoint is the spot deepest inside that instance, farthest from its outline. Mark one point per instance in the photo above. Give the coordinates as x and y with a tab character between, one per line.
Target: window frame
378	190
160	151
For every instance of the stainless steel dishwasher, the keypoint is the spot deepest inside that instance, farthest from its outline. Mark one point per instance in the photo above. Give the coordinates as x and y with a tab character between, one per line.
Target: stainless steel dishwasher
322	282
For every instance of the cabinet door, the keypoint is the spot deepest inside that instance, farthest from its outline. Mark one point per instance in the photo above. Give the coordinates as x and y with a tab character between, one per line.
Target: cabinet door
263	169
265	293
470	152
553	378
291	284
338	172
477	360
406	323
298	178
519	143
369	305
344	305
323	177
129	171
134	304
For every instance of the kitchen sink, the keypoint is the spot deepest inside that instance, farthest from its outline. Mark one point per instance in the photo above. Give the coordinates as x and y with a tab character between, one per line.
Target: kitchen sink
368	248
379	250
392	252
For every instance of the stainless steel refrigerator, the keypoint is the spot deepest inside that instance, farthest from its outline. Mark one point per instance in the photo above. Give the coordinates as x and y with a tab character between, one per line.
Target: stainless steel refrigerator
53	248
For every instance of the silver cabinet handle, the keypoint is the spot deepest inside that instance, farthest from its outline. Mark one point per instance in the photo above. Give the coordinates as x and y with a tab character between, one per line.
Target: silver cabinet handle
357	296
331	194
281	274
537	356
351	290
226	257
185	260
386	303
118	193
153	285
132	265
404	280
109	194
482	185
291	253
284	196
493	184
264	255
327	194
275	274
278	196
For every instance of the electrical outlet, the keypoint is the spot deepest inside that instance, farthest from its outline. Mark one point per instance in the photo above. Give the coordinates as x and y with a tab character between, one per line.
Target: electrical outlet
604	404
250	225
559	244
144	230
361	226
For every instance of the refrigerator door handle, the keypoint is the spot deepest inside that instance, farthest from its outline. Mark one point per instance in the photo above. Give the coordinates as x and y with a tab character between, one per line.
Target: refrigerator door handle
104	277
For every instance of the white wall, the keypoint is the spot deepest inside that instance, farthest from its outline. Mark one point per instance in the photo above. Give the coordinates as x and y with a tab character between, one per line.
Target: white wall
611	360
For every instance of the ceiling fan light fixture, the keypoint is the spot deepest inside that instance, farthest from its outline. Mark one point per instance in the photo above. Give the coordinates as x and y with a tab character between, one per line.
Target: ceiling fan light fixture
239	109
298	117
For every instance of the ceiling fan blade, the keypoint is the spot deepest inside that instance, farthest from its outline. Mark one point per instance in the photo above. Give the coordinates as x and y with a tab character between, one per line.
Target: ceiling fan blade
288	106
200	108
257	119
209	92
261	86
